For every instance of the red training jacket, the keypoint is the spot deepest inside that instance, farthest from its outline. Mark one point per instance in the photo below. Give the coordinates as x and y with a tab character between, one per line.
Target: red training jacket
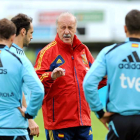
64	104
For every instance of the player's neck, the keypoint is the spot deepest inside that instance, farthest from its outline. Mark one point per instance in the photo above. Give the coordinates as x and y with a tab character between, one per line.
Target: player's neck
18	41
133	35
5	42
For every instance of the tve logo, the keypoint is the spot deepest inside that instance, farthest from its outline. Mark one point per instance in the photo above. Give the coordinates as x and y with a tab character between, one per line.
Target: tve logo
130	83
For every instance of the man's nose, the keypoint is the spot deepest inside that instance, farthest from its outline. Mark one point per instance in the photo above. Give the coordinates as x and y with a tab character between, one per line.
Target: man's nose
66	31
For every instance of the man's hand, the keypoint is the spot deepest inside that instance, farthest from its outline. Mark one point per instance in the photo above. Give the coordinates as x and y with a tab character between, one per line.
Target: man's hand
57	72
106	118
22	110
34	128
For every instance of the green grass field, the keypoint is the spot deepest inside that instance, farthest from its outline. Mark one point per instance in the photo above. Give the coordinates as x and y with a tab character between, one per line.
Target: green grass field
99	131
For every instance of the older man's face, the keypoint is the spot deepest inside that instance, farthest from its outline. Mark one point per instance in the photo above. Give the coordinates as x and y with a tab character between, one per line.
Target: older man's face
66	28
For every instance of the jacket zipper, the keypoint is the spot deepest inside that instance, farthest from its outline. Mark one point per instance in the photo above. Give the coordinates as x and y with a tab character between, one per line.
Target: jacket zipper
78	91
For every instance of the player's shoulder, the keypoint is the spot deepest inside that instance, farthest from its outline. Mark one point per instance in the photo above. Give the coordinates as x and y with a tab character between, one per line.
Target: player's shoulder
110	48
12	55
48	48
17	50
84	47
26	62
107	48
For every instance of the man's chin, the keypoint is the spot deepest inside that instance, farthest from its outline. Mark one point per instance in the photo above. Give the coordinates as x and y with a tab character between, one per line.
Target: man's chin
25	45
68	41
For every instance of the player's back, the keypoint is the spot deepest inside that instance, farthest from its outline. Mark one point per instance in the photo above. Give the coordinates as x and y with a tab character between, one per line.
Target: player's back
10	93
123	65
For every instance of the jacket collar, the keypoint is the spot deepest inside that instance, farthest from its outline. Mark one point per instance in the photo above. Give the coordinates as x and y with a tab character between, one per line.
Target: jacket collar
3	46
76	42
15	45
133	39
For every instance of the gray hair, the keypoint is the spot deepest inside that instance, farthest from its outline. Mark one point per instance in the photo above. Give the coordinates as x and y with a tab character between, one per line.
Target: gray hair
64	14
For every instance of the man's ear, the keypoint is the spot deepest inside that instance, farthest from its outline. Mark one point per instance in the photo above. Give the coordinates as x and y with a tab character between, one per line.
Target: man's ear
23	32
57	29
125	29
12	37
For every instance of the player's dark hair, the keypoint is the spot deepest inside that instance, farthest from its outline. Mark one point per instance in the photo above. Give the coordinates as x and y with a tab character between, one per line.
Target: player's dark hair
132	21
7	29
21	21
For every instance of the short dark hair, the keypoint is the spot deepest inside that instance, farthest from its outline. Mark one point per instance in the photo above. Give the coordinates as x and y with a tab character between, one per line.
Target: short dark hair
132	22
7	28
21	21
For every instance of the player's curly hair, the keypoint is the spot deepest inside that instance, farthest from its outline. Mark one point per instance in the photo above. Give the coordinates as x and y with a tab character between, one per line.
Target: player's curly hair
21	21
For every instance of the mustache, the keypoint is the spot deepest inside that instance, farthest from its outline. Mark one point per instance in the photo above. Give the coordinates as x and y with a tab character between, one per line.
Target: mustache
67	35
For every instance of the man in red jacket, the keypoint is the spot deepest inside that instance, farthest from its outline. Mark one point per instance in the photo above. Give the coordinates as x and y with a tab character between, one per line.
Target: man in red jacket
61	66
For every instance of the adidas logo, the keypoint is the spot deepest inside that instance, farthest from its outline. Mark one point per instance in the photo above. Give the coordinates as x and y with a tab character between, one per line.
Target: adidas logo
132	62
59	61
